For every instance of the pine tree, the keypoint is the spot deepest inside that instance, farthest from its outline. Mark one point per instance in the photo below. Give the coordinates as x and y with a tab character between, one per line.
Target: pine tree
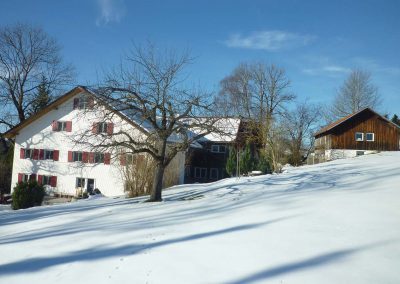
396	119
246	160
231	162
263	164
43	97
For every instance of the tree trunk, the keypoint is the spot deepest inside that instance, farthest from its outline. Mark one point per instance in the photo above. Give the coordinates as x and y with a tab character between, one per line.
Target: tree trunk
157	183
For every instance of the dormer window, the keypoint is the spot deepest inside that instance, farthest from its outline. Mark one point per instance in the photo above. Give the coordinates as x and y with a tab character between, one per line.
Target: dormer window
359	136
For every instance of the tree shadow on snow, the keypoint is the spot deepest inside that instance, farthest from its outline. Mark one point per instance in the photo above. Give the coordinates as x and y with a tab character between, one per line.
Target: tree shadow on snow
309	263
96	253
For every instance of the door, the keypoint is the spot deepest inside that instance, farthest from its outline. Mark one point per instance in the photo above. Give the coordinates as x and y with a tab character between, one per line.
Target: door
90	185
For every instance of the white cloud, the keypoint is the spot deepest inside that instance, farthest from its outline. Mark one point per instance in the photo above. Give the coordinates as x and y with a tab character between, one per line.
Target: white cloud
110	11
374	67
327	70
272	40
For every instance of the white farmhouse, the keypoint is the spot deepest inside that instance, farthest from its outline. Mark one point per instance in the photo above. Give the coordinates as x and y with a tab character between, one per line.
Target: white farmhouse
45	149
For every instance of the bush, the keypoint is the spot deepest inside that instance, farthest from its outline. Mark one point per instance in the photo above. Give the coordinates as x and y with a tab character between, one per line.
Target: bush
246	161
27	194
263	164
231	162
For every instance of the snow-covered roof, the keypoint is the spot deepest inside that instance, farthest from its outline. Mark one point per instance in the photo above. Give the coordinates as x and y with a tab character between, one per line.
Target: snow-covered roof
228	130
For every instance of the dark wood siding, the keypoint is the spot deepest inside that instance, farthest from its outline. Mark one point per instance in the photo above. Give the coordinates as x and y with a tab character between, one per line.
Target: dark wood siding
386	134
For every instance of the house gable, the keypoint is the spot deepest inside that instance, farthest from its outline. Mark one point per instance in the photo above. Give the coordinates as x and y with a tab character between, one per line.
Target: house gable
342	133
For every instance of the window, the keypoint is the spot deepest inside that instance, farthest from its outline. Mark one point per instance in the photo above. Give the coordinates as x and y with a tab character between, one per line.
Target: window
80	182
213	173
359	136
28	154
187	171
370	137
83	102
46	180
98	157
218	148
48	154
61	126
102	127
77	156
25	178
200	172
129	159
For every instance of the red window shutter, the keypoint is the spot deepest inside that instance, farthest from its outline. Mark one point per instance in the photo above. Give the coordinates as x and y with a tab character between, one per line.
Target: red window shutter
85	157
41	154
54	125
90	102
107	158
22	153
76	103
36	154
70	156
91	157
69	126
110	128
32	177
122	159
94	128
140	158
56	154
53	181
20	177
39	179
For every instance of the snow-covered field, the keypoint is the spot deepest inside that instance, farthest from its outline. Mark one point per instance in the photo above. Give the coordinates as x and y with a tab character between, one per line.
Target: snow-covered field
337	222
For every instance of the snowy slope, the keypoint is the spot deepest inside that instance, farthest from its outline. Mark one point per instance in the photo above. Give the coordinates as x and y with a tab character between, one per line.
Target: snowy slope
337	222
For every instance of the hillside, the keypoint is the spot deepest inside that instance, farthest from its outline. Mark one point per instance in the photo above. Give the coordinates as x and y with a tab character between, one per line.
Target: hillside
337	222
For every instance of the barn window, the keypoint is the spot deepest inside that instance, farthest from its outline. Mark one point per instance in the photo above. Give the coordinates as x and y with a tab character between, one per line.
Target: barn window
213	173
187	171
200	172
370	137
218	148
359	136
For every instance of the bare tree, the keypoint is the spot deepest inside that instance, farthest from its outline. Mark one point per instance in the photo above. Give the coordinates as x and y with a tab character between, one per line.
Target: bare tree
236	96
27	55
258	92
356	93
149	88
299	125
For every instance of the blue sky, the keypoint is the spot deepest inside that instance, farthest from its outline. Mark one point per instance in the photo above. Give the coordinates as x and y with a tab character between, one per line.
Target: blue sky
317	42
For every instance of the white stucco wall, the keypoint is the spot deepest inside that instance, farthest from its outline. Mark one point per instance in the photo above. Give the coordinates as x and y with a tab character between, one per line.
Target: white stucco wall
39	135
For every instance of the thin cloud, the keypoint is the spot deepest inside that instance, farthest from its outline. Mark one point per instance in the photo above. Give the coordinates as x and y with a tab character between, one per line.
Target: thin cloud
272	40
110	11
327	70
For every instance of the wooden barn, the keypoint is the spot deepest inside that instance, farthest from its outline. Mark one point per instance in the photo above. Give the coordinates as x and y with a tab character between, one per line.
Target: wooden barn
360	133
